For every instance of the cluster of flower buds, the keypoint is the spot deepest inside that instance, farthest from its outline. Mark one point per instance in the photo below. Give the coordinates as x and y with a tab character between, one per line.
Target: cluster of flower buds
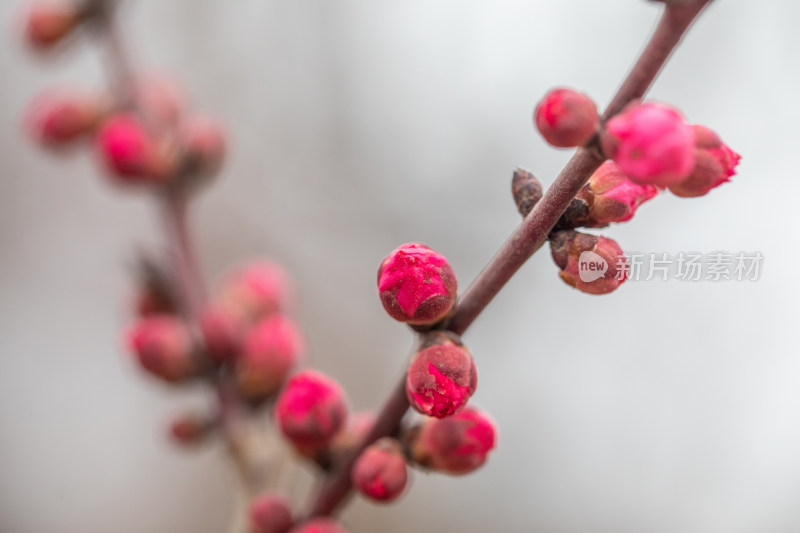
649	147
151	138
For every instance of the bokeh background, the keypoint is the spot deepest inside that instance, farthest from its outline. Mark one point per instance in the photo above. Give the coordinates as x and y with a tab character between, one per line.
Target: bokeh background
356	126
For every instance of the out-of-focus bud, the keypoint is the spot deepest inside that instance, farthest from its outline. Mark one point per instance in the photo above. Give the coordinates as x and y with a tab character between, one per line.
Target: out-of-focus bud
441	378
223	332
258	289
163	346
202	140
320	525
615	198
590	263
715	164
59	118
310	411
270	350
131	153
190	429
527	190
380	472
270	513
417	284
48	22
651	143
162	98
566	118
455	445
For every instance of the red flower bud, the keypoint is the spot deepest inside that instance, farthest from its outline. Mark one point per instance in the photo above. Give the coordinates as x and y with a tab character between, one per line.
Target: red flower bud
59	118
715	164
320	525
131	154
441	379
49	21
592	264
566	118
270	350
615	197
202	139
455	445
380	472
651	143
163	346
223	332
417	284
190	430
270	513
161	98
311	410
258	289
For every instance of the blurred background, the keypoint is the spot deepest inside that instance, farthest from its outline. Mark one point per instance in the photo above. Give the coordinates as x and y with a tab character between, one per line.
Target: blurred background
357	126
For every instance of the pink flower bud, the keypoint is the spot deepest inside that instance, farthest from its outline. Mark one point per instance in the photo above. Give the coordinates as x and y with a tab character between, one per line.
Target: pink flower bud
615	197
202	139
258	289
320	525
163	346
380	472
455	445
189	429
417	284
270	350
590	263
715	165
223	333
441	379
566	118
131	154
651	143
311	410
59	118
270	513
48	22
162	98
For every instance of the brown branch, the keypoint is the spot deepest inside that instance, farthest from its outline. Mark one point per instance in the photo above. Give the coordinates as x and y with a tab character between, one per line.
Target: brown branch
526	239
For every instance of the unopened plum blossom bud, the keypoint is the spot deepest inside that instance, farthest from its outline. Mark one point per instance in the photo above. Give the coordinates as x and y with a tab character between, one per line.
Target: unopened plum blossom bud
441	378
257	289
380	472
455	445
417	284
202	140
190	429
270	513
526	189
269	352
48	22
615	198
162	98
59	118
651	143
131	153
320	525
715	164
223	332
566	118
311	410
590	263
163	346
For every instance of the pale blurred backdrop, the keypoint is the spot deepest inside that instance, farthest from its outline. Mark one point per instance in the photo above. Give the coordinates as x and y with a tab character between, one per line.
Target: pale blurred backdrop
359	125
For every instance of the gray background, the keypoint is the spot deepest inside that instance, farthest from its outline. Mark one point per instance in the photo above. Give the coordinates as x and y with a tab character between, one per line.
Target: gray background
357	126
